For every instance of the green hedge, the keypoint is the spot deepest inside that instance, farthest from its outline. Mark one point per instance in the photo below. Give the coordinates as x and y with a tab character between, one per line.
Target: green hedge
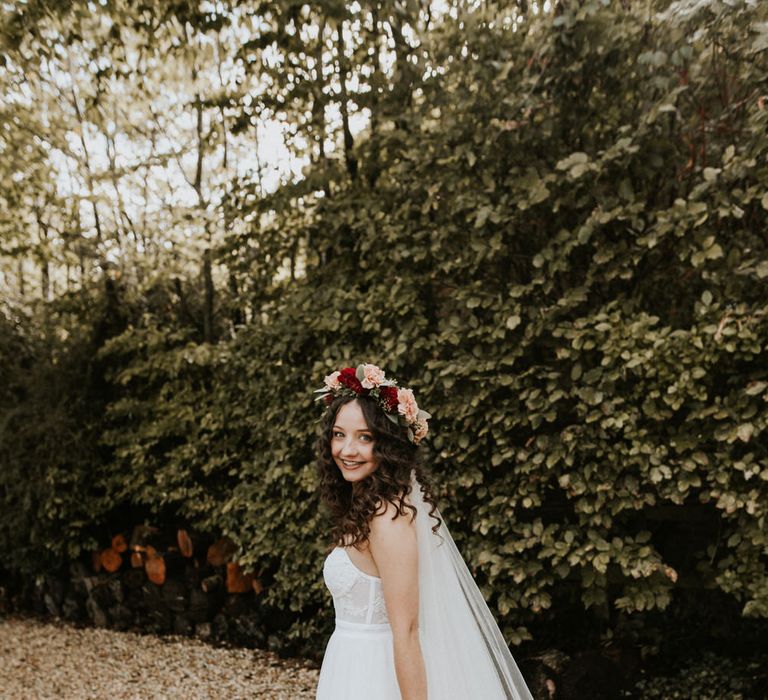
561	247
707	677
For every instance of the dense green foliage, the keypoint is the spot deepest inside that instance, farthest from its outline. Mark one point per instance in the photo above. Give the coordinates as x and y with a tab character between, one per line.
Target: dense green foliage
706	678
560	246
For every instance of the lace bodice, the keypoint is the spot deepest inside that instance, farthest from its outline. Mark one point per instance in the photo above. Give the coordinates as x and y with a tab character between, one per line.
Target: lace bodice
357	596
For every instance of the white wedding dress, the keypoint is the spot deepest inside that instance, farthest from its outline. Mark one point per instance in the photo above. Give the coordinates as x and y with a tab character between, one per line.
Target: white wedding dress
465	655
359	661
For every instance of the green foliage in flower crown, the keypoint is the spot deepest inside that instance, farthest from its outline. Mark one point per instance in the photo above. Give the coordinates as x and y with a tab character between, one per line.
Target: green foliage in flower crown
560	246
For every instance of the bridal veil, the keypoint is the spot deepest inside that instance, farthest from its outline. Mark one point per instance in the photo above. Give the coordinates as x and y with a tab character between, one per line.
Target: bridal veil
465	654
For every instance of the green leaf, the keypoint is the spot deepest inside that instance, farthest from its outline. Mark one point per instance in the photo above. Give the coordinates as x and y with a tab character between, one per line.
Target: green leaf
575	159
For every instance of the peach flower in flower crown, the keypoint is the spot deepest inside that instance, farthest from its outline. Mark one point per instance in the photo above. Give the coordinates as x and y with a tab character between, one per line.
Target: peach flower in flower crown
373	376
332	381
421	430
406	405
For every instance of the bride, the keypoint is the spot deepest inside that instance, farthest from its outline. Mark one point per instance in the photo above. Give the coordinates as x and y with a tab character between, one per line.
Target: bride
411	623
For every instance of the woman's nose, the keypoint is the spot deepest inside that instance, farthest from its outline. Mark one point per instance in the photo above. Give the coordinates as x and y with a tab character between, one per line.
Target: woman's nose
348	448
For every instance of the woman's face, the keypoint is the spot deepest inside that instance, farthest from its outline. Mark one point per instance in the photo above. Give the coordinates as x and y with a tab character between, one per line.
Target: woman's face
352	443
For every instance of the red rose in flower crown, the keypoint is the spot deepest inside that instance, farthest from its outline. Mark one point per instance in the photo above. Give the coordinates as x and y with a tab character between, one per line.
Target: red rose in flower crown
348	378
389	398
398	404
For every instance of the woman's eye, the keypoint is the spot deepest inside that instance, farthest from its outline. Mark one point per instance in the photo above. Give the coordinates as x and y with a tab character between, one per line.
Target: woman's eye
366	438
338	433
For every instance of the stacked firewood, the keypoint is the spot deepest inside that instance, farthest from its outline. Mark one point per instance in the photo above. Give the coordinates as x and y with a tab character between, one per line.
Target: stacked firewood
188	585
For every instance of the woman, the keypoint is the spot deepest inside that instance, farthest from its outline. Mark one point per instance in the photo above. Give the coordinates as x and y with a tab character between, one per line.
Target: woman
410	620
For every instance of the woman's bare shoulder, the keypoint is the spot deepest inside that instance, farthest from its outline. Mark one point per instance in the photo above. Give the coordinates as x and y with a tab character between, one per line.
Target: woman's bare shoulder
391	534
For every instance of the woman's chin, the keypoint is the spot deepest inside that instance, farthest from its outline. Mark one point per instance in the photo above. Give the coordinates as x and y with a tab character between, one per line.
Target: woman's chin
355	473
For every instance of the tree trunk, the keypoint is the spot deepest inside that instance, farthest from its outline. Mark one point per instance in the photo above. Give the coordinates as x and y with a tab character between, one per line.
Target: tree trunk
349	143
318	103
209	294
45	272
87	159
373	167
22	287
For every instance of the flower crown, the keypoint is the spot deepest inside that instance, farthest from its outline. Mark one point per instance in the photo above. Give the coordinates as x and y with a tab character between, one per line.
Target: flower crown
398	404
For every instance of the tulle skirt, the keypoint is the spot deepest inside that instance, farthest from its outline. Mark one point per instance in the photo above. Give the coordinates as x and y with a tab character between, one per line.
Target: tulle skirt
359	664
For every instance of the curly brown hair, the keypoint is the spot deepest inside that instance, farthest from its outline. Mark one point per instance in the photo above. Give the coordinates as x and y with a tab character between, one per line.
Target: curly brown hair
351	511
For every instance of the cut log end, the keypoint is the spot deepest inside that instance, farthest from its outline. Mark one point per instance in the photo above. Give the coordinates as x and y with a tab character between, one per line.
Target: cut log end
111	560
185	543
237	581
155	568
221	551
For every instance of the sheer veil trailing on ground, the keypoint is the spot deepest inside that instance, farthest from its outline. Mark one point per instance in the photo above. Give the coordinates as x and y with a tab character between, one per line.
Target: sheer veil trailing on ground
464	651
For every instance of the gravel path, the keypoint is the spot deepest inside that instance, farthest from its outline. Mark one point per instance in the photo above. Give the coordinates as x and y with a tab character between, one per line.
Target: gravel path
41	660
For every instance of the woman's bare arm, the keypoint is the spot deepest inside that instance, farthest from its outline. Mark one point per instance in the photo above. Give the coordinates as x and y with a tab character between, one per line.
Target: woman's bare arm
394	548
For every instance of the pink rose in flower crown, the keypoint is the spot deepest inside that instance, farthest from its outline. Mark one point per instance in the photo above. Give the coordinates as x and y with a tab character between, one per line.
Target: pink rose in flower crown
407	405
332	381
372	376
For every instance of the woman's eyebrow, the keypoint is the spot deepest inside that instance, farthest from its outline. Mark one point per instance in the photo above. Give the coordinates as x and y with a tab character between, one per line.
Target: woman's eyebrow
357	430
